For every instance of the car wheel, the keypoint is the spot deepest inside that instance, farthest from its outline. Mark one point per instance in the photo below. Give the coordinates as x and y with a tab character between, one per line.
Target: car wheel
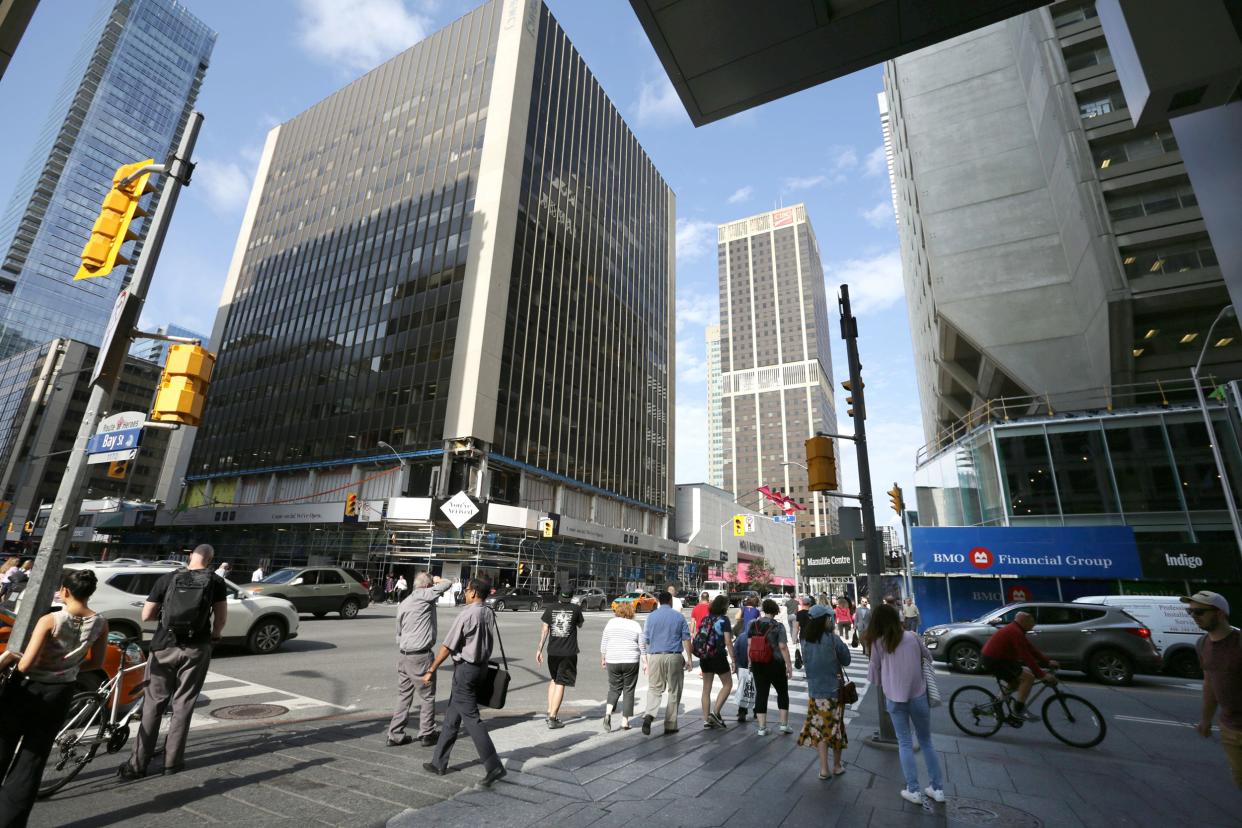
266	636
534	606
1110	666
349	609
966	657
1185	663
500	606
125	629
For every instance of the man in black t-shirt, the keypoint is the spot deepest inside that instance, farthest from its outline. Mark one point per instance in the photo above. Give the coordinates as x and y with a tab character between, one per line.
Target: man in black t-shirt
560	632
180	654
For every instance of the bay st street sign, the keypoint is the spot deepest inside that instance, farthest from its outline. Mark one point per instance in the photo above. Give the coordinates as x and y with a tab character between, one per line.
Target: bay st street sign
117	438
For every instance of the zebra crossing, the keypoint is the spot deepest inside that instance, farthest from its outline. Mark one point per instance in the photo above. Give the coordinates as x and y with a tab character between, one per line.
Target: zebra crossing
221	691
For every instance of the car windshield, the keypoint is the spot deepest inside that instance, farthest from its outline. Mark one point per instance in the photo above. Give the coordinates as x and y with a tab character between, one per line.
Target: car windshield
633	595
281	576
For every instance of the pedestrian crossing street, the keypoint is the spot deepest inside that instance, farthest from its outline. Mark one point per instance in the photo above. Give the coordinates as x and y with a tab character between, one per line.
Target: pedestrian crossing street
221	691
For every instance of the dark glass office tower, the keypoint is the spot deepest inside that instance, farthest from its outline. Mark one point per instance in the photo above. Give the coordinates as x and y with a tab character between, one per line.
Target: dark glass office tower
465	255
126	98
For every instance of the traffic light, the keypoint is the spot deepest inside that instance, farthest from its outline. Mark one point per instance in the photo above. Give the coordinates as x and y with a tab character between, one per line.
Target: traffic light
112	229
896	500
351	505
183	386
28	528
739	526
547	527
849	389
521	569
821	464
118	469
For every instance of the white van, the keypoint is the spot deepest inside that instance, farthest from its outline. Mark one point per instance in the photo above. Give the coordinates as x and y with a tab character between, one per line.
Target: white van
1173	631
714	588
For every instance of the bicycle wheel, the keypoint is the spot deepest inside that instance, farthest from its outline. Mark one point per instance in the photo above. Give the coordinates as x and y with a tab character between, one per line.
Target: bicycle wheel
1074	720
75	744
976	710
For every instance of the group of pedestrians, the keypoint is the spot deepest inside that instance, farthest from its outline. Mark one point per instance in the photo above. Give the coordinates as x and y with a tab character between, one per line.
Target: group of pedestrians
14	575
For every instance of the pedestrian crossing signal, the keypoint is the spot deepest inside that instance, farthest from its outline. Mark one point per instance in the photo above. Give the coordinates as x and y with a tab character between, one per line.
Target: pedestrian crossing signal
118	469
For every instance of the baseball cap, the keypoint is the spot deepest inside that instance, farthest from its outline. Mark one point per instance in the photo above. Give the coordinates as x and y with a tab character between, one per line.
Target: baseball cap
1210	599
566	594
818	611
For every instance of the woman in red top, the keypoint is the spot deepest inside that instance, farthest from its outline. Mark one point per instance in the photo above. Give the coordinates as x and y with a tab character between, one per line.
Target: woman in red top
845	618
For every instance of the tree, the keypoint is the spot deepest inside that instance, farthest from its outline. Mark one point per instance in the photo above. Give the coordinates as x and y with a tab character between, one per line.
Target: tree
761	575
731	579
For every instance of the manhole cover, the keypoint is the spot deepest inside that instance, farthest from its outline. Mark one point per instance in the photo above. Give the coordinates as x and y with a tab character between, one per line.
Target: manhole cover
249	711
982	812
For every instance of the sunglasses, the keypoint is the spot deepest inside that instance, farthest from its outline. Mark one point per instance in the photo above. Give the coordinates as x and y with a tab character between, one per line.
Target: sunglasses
1196	613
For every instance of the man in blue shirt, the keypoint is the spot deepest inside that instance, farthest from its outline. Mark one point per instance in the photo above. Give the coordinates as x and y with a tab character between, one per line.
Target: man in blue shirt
668	659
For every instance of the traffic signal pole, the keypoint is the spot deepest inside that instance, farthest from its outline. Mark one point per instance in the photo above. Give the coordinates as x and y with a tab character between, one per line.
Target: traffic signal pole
875	564
44	582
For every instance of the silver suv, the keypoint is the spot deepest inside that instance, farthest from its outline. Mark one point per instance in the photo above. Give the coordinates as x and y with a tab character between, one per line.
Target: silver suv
1105	642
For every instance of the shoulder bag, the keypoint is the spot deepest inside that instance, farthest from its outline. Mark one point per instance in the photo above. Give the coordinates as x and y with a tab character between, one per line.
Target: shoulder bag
496	683
847	692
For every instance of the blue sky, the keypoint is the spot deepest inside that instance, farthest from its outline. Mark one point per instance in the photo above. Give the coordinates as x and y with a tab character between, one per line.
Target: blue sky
822	147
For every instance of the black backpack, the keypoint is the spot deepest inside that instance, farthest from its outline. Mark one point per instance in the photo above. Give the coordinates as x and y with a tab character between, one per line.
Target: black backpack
187	605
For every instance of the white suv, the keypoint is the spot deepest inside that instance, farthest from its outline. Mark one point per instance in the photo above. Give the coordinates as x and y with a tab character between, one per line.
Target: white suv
261	624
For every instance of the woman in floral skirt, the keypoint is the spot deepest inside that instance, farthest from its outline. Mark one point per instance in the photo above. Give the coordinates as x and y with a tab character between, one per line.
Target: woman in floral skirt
825	655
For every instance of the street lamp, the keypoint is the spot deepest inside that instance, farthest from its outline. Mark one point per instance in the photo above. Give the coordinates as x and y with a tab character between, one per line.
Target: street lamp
400	459
1226	312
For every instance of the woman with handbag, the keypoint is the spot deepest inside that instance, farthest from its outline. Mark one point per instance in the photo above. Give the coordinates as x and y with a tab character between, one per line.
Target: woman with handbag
825	655
897	658
36	698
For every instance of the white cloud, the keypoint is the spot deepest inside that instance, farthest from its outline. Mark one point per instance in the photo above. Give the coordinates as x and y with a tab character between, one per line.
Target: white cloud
891	451
697	309
876	163
875	282
225	184
881	215
695	238
843	158
692	360
658	103
805	182
690	444
359	34
741	194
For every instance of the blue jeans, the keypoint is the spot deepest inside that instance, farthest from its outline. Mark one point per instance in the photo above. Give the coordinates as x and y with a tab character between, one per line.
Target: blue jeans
912	717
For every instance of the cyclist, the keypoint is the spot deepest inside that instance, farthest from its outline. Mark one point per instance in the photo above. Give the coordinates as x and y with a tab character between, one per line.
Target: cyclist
1013	659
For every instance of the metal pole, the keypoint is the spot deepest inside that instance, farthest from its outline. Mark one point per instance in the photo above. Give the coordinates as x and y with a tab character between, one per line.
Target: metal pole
1225	488
875	565
57	535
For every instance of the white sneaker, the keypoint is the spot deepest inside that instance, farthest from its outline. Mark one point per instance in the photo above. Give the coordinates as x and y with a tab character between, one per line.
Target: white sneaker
911	796
934	793
763	731
786	729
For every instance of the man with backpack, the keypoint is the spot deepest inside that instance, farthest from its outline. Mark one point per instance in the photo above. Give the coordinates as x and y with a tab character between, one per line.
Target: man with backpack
190	605
713	646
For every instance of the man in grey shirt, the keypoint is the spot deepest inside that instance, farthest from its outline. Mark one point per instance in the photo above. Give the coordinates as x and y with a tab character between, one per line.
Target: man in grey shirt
416	637
469	643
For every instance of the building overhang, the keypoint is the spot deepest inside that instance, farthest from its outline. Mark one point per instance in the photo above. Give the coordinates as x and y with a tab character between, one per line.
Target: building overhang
727	57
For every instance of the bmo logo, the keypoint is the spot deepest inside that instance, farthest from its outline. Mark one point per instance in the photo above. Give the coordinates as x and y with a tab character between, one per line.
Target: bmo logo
981	558
1019	594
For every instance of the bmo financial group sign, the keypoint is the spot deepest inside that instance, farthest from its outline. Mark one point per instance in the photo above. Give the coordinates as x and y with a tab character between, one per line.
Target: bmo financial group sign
1040	551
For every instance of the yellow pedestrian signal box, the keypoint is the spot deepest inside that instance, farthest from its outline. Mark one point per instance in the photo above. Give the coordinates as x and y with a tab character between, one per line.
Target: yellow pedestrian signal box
112	228
739	526
821	464
547	527
183	386
118	469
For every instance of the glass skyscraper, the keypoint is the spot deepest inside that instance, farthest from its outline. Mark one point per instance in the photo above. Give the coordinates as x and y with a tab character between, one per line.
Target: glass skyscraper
127	97
465	255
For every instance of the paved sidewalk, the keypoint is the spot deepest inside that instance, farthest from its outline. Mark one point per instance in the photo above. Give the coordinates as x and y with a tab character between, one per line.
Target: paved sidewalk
338	772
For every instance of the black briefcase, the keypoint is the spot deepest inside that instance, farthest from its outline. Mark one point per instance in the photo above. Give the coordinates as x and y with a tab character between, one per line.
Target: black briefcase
495	685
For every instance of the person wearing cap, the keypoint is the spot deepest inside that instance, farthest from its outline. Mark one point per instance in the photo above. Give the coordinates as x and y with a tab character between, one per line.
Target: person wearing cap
561	622
826	656
1220	653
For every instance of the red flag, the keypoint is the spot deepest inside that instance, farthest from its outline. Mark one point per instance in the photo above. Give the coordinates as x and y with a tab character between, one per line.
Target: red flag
788	504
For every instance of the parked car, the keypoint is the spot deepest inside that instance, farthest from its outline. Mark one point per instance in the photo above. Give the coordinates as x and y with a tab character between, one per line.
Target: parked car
589	598
318	590
642	601
515	599
261	625
736	598
1173	631
1108	644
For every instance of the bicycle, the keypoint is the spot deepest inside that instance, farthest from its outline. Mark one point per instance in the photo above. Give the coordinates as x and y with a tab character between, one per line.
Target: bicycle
1072	719
94	719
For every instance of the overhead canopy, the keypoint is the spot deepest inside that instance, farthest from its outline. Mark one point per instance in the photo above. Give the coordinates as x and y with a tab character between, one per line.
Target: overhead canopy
726	56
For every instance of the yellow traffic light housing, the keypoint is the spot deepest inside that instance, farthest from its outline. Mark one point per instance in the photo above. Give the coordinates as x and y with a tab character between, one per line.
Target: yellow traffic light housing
739	526
183	386
896	500
351	505
118	469
120	207
821	464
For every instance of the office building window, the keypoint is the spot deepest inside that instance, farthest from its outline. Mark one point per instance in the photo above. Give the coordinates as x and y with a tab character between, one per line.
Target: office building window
1028	474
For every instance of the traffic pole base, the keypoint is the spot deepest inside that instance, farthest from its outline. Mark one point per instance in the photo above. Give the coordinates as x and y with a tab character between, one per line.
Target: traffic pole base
878	741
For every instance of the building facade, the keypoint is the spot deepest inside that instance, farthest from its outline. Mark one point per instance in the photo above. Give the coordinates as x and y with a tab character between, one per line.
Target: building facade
483	294
1048	245
715	413
775	359
127	97
704	531
43	396
156	350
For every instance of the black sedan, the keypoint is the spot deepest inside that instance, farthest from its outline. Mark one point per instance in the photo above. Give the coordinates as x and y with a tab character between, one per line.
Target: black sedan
515	599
